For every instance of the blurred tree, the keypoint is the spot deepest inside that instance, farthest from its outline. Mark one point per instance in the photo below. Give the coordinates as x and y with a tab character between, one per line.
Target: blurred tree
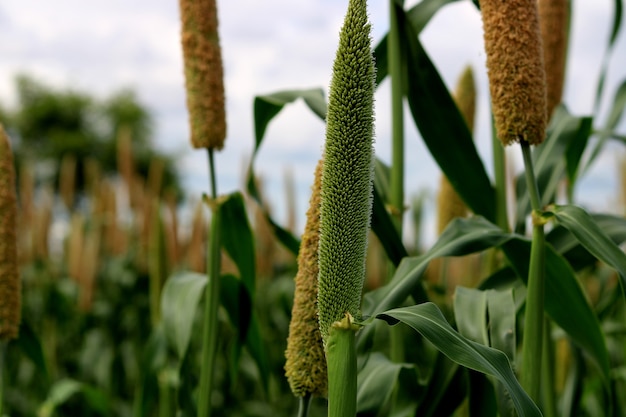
48	124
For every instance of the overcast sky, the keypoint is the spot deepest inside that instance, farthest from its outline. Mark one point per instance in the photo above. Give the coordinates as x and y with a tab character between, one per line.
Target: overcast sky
103	45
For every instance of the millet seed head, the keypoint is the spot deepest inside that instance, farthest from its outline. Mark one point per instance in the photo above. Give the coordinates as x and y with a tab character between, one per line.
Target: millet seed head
347	174
515	68
204	78
306	363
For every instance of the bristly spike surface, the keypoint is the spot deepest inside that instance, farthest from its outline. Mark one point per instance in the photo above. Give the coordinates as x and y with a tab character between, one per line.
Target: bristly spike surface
517	80
347	174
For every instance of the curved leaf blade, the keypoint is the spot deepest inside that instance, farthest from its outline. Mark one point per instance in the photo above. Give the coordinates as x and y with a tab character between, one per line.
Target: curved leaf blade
428	320
266	107
443	128
591	236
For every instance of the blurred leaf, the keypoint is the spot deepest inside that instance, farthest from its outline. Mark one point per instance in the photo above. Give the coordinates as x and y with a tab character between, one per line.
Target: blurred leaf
376	381
266	107
64	389
30	346
383	226
576	149
613	119
446	389
591	236
237	239
617	23
427	320
444	130
255	345
179	303
502	317
238	304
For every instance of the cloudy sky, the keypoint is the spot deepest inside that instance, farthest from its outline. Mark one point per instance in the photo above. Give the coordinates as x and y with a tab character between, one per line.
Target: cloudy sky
103	45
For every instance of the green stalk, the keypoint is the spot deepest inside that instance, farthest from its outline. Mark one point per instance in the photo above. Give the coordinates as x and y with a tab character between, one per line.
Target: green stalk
211	303
547	387
533	321
394	58
342	370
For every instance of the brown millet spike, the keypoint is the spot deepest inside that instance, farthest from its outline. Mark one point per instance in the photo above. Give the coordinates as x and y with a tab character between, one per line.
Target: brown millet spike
515	68
203	73
553	19
306	362
10	287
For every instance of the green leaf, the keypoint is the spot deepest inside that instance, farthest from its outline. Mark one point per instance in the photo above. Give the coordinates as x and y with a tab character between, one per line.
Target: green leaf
266	107
617	22
427	320
565	300
444	130
257	349
419	15
446	389
65	389
470	314
383	226
377	380
591	236
179	302
461	237
237	239
613	119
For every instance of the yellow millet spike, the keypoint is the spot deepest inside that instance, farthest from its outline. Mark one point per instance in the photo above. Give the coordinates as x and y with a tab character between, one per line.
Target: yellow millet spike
10	288
449	204
203	73
553	20
306	363
515	68
347	173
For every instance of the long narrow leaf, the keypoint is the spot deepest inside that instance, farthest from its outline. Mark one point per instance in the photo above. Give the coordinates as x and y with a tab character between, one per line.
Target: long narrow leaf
591	236
444	130
419	15
427	320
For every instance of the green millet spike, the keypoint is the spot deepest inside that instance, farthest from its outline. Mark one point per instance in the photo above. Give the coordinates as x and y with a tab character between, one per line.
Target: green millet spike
347	173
